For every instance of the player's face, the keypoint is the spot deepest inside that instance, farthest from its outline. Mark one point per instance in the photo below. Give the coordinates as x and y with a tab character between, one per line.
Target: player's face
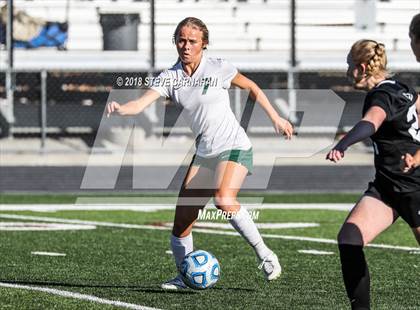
355	74
415	46
189	44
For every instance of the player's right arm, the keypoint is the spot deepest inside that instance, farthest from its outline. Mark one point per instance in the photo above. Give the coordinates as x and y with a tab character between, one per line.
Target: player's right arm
133	107
369	124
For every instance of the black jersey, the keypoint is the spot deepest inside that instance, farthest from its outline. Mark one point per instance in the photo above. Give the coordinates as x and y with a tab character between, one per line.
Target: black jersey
399	134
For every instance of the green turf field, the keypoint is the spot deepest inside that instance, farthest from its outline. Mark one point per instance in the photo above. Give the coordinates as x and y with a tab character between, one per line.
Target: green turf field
127	264
268	198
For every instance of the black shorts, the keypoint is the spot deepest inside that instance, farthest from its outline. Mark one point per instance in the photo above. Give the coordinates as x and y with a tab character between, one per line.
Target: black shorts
406	204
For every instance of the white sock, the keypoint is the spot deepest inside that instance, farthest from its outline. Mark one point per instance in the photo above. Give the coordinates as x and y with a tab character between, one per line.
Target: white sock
181	247
244	225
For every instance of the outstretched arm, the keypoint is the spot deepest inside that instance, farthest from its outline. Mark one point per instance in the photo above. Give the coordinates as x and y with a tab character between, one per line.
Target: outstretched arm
366	127
133	107
280	124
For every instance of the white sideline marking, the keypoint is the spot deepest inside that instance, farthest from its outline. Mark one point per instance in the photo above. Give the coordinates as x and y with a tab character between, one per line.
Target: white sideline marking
77	296
152	207
315	252
331	241
105	224
33	226
169	252
259	225
78	207
48	253
304	206
202	230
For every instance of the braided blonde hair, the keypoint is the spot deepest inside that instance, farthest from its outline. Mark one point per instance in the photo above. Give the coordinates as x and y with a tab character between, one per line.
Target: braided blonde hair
371	53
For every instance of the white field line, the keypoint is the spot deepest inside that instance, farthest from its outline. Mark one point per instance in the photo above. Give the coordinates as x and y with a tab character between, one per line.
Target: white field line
61	220
48	253
153	207
228	226
309	239
304	206
209	231
34	226
69	294
88	207
315	252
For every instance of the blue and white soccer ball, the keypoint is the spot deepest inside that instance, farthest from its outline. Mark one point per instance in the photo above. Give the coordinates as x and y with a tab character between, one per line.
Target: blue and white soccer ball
200	270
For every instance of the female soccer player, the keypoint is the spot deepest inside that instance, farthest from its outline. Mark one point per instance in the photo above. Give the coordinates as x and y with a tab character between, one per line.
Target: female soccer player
413	161
390	119
224	153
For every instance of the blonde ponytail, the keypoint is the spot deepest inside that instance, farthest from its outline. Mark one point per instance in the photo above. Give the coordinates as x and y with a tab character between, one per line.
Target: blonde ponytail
372	54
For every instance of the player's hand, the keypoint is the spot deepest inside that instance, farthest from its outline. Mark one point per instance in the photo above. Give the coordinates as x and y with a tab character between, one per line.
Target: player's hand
112	107
335	155
283	126
409	162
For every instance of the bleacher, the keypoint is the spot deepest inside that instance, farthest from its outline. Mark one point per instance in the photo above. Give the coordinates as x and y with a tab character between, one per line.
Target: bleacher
238	29
254	35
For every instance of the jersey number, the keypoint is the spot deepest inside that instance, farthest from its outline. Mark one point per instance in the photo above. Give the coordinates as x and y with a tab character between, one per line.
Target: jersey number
413	119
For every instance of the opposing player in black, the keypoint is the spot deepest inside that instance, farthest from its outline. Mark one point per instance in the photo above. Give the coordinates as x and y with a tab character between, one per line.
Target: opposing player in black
412	161
390	119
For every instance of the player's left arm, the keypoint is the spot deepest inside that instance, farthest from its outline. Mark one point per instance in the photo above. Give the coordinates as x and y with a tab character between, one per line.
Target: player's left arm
365	128
411	161
280	124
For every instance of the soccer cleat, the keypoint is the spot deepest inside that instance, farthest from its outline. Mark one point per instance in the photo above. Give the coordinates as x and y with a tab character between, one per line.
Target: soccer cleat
271	267
174	284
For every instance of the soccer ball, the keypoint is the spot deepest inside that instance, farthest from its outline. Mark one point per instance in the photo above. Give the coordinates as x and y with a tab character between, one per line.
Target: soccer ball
200	270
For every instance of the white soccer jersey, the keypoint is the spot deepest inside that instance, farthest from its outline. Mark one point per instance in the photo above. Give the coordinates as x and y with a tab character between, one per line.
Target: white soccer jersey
205	100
